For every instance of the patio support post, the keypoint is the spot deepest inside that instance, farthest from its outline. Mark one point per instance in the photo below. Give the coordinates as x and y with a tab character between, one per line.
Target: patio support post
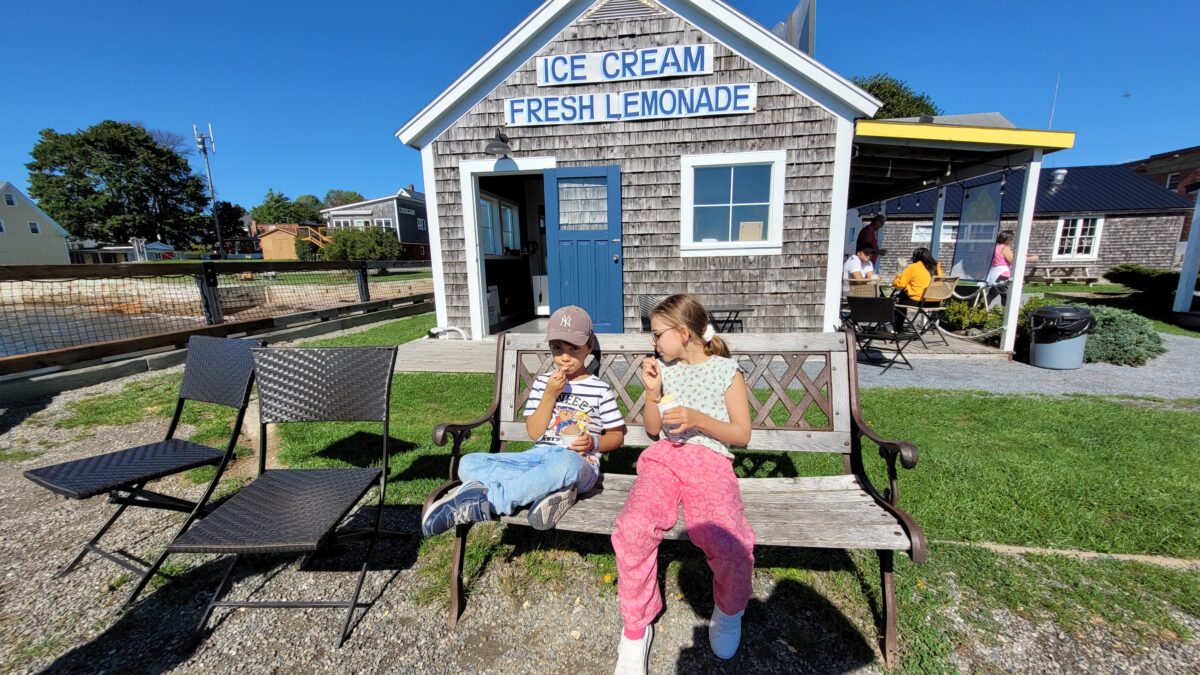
1191	264
935	240
1033	171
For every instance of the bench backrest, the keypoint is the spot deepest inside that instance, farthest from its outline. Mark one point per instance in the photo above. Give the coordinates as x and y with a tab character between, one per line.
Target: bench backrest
800	385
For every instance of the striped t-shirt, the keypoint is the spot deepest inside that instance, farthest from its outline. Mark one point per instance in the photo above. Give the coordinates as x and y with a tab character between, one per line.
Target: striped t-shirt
588	404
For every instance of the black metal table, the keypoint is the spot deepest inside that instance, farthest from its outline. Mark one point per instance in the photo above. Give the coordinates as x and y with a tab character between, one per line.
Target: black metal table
727	318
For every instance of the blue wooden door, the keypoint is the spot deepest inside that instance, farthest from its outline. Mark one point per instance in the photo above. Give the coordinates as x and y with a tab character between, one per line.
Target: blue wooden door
583	233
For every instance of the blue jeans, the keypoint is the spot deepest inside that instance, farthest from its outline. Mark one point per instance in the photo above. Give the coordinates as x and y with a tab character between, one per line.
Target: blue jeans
515	479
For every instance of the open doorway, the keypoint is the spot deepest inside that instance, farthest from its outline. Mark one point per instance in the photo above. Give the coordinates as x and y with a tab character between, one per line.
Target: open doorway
510	216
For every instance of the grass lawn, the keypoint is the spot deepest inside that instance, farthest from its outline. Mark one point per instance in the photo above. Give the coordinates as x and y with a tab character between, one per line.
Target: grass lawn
1103	474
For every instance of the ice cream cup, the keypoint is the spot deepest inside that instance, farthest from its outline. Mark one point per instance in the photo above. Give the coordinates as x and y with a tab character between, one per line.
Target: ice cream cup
667	402
567	436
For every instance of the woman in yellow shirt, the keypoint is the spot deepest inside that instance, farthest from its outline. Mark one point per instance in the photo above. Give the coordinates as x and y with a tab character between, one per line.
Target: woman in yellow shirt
910	285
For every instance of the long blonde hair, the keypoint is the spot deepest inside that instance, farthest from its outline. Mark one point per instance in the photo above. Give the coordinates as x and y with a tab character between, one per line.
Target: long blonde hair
685	310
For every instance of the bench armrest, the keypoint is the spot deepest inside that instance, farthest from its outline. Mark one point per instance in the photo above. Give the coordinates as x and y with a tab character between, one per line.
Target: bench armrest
888	449
461	429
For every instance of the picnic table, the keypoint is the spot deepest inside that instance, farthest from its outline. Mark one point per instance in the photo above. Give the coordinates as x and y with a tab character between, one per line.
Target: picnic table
725	318
1049	273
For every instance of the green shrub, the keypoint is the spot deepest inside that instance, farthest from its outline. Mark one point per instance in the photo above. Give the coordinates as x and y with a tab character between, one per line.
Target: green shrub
960	315
1121	337
1158	283
306	250
371	243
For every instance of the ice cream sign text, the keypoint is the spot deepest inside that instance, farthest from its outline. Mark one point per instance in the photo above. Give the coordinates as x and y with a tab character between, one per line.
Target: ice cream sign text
625	65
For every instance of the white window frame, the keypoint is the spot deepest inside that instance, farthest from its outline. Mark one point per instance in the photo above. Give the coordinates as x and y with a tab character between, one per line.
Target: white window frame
421	224
383	222
494	205
1095	254
949	232
341	222
1169	177
362	222
10	199
773	245
35	227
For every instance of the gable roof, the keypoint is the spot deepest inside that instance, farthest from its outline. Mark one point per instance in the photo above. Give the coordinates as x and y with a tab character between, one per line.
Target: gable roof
6	186
733	29
1085	189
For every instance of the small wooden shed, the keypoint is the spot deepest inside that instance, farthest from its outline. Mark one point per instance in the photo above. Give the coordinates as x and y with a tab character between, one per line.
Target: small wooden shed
609	149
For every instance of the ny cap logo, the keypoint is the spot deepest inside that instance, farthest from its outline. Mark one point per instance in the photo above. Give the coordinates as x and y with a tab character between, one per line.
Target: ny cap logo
565	321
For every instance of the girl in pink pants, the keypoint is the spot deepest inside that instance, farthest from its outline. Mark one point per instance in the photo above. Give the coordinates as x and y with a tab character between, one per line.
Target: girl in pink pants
705	410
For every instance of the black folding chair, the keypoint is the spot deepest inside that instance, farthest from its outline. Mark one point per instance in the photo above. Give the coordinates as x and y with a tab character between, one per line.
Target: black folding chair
299	510
872	320
218	370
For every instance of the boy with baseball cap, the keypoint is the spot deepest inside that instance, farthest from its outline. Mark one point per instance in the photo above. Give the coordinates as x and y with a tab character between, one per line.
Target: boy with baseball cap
573	417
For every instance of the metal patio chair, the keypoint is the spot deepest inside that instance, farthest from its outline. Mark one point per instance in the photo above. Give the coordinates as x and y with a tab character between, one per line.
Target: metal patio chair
924	314
218	370
299	510
872	319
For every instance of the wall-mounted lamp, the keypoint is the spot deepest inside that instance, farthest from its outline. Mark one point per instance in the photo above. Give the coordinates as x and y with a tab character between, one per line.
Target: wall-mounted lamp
499	145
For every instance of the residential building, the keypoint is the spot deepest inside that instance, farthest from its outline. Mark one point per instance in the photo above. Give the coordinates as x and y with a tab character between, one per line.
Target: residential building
402	213
27	235
1178	171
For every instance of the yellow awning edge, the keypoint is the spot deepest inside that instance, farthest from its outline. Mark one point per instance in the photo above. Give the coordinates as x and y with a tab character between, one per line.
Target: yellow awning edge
916	131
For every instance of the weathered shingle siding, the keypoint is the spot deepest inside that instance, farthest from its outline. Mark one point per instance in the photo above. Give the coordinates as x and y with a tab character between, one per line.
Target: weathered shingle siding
1147	239
787	289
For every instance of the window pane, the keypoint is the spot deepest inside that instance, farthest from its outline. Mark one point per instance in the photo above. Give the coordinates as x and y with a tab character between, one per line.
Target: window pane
922	232
487	227
712	185
509	219
752	183
750	223
1084	247
582	204
710	223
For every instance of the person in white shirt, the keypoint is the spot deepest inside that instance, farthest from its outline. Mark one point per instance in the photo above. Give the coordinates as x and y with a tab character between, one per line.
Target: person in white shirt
858	266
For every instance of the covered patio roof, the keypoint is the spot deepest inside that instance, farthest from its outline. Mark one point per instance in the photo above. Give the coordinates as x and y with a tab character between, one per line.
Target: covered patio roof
898	156
894	157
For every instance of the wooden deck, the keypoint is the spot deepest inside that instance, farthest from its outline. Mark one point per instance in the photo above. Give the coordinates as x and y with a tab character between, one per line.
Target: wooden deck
469	356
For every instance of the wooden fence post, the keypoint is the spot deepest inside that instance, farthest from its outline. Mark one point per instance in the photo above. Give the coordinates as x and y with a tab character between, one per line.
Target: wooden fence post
364	293
207	281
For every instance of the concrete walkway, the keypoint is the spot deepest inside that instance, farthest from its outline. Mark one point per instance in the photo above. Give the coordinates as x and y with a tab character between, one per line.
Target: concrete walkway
1169	376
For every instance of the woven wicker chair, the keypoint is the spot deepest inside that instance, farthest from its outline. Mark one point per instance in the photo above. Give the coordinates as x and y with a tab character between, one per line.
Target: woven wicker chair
863	288
218	370
923	315
298	510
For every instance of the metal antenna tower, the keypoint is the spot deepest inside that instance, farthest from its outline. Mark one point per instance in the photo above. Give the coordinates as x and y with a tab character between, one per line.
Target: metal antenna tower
202	142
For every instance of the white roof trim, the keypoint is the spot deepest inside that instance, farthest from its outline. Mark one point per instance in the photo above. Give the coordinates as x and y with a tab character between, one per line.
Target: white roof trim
7	187
402	194
553	16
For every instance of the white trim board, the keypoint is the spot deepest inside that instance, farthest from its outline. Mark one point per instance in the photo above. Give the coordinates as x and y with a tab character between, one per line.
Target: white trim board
734	30
428	174
838	210
468	176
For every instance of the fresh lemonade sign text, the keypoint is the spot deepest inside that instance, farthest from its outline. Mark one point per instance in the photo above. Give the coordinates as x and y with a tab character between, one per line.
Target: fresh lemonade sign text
624	65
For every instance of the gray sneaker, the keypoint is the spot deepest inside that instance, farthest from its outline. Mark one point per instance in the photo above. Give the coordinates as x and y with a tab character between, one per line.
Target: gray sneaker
466	504
545	512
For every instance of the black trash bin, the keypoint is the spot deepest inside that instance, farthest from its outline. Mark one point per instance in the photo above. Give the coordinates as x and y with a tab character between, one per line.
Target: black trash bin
1058	336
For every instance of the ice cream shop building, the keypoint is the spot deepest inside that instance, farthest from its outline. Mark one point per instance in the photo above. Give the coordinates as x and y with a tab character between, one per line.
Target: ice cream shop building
607	150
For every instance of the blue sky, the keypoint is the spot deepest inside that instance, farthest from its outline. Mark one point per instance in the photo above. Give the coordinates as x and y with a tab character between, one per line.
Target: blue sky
306	96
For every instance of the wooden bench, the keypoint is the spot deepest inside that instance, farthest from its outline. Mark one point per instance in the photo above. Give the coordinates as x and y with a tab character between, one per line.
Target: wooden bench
804	398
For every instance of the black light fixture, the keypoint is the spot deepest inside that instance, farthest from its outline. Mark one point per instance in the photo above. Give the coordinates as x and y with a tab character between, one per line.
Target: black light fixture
499	145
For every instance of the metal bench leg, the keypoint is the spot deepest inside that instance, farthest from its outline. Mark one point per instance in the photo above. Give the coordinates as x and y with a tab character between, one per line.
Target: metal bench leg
92	544
458	598
888	591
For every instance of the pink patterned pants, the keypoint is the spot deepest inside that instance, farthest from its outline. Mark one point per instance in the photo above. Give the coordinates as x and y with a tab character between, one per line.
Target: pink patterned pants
703	481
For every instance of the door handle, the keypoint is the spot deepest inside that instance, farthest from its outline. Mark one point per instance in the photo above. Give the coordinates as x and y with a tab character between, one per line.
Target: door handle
615	259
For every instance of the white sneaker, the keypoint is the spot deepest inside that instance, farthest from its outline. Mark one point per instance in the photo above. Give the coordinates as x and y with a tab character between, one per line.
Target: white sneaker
725	633
634	655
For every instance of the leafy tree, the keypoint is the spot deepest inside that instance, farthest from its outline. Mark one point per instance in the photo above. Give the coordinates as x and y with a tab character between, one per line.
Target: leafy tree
113	181
230	216
371	243
341	198
277	208
899	99
306	251
307	209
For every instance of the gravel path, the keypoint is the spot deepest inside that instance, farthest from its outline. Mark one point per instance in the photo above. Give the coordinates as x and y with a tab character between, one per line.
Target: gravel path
1168	376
